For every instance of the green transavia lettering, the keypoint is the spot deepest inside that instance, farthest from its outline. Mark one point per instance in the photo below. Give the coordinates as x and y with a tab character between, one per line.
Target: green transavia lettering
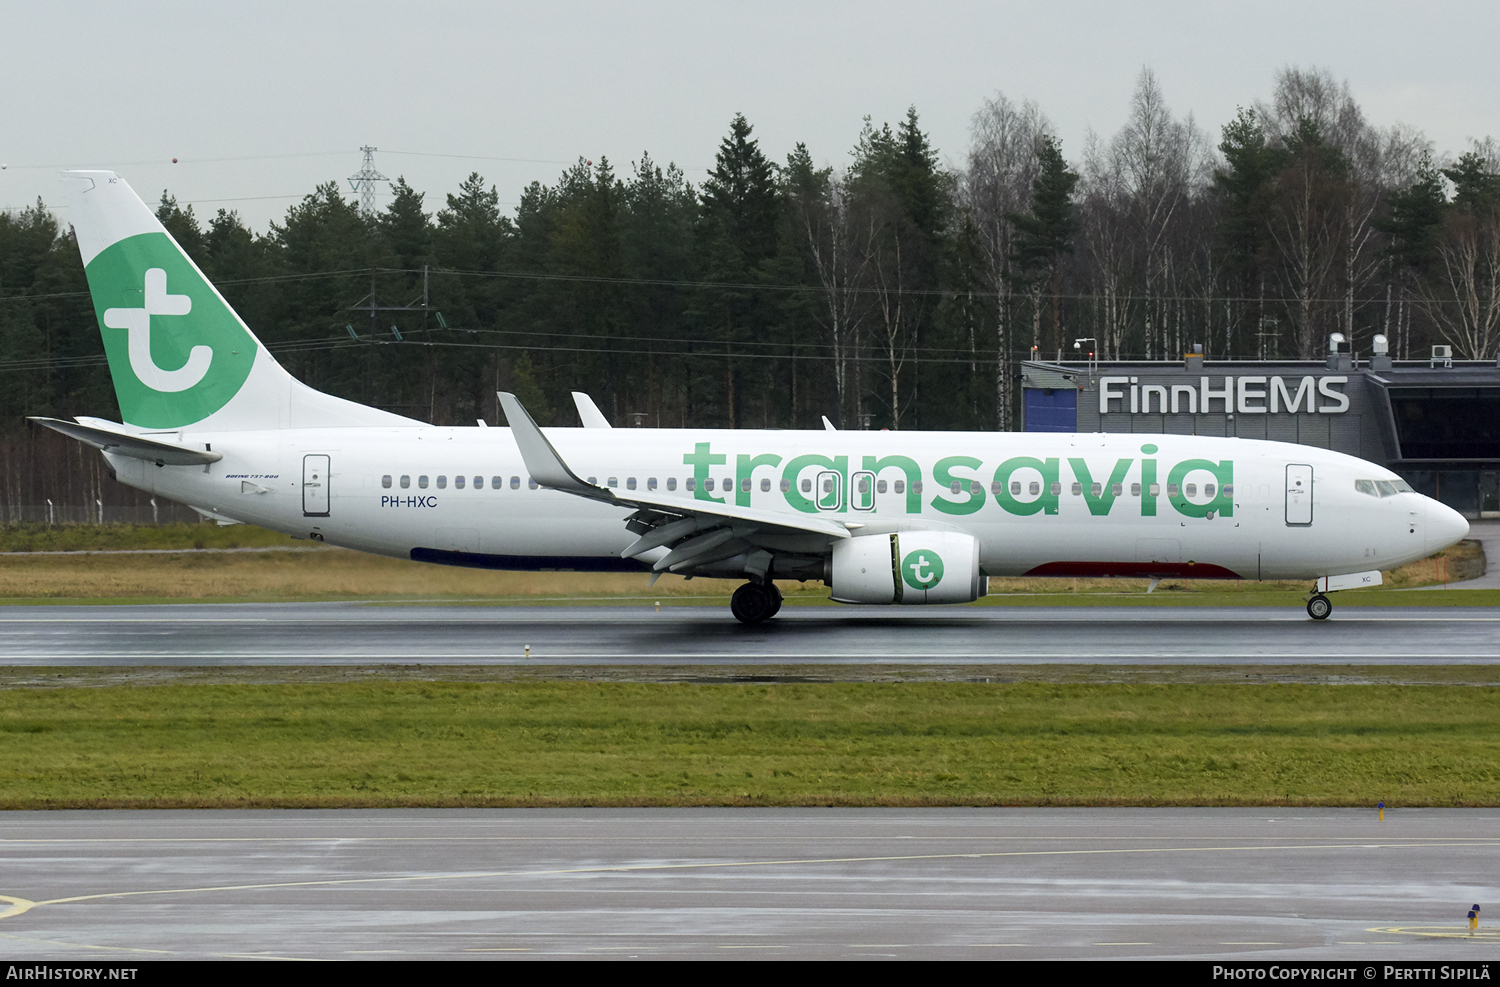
1021	485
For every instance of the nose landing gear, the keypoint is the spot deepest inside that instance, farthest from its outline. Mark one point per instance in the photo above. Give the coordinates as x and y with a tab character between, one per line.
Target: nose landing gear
755	602
1319	606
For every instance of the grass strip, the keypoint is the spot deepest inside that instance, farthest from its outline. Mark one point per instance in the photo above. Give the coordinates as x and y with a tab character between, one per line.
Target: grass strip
452	743
331	574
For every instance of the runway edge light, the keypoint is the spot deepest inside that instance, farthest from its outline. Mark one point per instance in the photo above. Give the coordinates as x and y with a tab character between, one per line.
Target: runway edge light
1381	807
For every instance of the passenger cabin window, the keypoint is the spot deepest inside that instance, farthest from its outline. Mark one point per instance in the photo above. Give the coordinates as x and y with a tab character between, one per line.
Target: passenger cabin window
691	483
1192	489
1135	490
422	481
515	483
765	485
900	486
614	481
1117	489
385	481
916	487
593	481
880	486
650	483
1096	489
1077	488
708	484
786	485
630	483
745	485
458	482
442	483
806	486
977	489
531	482
1208	490
405	482
671	483
1015	488
955	486
1056	488
1172	489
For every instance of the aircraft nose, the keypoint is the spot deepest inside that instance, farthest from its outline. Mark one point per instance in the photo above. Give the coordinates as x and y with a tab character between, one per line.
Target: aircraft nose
1445	526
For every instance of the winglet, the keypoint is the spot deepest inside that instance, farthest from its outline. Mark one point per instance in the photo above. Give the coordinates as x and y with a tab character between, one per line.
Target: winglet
828	425
542	461
588	411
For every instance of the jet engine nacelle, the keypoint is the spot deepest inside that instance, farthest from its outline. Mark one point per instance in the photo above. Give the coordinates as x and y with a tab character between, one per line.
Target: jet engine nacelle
907	567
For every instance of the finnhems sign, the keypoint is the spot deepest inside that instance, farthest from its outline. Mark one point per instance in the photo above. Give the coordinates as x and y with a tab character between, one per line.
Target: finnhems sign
1242	395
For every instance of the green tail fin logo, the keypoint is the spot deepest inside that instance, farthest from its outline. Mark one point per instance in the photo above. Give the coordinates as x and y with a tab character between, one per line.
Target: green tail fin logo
176	351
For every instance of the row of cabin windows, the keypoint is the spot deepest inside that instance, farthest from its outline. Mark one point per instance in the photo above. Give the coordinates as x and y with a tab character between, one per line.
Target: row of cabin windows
863	486
1034	488
459	482
613	482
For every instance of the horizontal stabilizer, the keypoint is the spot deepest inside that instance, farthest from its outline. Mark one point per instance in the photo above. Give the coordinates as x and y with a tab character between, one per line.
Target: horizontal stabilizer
135	446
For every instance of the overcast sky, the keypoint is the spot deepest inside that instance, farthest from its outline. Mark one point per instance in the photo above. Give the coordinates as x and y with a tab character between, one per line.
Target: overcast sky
262	101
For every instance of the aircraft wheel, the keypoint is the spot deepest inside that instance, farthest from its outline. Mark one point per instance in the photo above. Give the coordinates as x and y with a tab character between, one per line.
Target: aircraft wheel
1319	607
752	604
776	595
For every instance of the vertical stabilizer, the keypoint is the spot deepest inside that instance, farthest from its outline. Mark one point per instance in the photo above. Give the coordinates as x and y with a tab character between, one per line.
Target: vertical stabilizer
179	355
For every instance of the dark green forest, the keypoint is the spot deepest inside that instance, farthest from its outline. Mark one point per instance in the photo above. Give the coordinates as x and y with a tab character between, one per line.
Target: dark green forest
893	291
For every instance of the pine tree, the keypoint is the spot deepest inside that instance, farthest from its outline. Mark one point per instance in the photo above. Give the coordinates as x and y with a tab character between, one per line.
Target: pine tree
1045	235
740	214
1415	218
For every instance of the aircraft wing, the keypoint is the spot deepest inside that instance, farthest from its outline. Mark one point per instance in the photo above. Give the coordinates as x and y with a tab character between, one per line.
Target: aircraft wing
695	532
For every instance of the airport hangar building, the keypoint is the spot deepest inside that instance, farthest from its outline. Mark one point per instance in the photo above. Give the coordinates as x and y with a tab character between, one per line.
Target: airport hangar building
1435	422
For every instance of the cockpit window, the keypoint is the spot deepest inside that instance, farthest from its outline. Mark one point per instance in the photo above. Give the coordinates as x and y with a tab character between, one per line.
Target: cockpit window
1382	488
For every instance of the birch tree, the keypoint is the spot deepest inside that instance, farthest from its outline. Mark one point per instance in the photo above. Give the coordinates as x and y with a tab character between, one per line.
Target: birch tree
1002	165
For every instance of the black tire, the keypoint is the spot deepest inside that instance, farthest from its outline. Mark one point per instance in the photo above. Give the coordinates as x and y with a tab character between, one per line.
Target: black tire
752	604
776	596
1319	607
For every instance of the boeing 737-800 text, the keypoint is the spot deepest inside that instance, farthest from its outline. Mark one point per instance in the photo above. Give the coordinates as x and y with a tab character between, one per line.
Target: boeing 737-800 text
212	420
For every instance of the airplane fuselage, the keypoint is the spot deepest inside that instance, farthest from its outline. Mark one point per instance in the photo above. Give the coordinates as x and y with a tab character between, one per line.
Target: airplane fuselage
1041	504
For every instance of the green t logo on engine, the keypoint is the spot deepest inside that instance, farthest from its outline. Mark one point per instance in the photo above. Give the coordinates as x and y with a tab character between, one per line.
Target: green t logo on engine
922	569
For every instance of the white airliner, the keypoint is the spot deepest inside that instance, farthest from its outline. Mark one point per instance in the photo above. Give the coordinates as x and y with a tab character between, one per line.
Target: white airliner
213	421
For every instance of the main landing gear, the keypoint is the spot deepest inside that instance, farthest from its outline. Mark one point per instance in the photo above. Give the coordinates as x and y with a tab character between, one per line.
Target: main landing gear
1319	606
755	602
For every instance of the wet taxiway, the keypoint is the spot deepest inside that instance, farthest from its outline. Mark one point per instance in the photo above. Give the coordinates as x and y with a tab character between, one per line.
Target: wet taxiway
735	883
347	633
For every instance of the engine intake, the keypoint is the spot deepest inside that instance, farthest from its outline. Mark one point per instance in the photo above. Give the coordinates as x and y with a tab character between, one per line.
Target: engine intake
909	567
